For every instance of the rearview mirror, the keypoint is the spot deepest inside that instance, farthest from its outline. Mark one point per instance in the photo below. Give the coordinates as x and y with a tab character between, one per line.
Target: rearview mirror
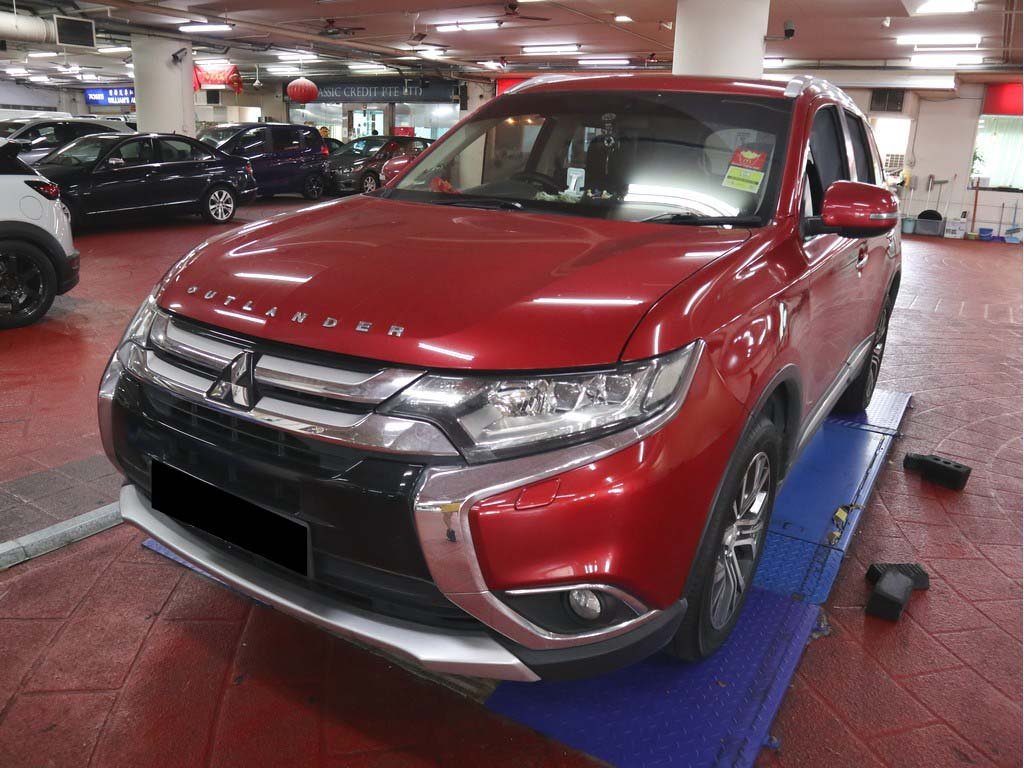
853	209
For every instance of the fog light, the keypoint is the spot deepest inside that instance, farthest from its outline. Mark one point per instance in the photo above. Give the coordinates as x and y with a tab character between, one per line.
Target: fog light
585	603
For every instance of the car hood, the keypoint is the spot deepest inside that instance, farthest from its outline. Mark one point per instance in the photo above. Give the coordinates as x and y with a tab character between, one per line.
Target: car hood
338	163
435	286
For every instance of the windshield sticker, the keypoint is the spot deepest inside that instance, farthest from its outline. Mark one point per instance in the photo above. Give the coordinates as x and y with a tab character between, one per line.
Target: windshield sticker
574	180
746	170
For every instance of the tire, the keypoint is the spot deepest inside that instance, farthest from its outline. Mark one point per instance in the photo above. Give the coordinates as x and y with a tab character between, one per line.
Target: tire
218	205
858	392
369	183
28	284
313	187
715	597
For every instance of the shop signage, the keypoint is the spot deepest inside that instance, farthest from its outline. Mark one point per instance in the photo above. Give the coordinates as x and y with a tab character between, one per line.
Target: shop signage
216	76
414	89
110	97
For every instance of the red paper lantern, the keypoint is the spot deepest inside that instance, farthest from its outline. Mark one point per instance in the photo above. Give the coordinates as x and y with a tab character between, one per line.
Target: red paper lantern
302	90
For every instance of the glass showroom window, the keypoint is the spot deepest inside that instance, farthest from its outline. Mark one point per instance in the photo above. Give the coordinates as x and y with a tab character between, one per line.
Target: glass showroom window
999	152
428	121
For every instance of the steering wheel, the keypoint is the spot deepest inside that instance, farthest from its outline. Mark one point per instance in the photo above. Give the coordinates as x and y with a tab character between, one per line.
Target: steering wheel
542	180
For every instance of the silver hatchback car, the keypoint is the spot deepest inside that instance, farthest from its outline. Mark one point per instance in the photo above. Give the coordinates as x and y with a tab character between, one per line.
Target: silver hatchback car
38	136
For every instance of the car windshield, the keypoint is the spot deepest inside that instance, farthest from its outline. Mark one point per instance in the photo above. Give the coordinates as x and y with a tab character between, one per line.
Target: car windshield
364	147
84	151
635	156
216	136
8	127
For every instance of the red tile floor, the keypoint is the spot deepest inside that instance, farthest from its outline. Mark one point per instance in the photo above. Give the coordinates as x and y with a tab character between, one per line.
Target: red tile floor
111	656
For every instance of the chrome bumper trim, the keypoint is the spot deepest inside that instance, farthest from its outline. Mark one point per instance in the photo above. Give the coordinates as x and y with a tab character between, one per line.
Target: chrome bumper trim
447	494
457	653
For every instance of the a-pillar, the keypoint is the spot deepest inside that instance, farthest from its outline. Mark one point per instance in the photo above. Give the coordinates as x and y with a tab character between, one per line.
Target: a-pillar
724	38
163	87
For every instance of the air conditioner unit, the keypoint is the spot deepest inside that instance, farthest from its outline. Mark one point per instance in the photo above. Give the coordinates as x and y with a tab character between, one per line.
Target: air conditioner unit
887	99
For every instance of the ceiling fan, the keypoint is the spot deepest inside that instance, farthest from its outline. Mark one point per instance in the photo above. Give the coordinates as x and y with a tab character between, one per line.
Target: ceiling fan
512	12
333	30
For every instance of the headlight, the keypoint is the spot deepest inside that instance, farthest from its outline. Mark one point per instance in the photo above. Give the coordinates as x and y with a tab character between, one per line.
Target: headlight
496	417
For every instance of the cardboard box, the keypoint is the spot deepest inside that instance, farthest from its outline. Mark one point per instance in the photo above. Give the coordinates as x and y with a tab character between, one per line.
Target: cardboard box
956	228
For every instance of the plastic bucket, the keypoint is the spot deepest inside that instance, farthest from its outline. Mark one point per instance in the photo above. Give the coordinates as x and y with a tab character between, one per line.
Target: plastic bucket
908	225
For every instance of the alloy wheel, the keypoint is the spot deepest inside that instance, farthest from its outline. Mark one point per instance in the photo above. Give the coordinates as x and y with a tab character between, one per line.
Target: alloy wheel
21	285
877	351
369	183
742	540
221	204
315	186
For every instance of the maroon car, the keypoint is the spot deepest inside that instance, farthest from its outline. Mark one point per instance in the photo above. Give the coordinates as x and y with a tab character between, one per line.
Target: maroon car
359	165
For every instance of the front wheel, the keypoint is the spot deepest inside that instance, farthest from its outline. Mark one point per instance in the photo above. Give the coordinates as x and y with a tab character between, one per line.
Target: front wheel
727	560
28	284
370	183
313	187
858	392
218	205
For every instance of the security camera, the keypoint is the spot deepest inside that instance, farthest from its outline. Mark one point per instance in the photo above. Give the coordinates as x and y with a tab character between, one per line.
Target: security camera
789	29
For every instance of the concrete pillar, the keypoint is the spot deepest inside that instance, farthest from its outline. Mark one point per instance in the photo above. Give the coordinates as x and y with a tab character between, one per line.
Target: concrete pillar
720	39
163	88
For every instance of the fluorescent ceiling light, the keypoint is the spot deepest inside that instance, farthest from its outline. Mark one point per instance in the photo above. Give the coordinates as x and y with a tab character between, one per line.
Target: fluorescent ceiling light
213	62
281	70
205	27
604	62
130	65
42	54
17	72
434	53
773	63
950	39
945	60
491	64
298	57
115	49
563	48
408	58
71	69
366	67
39	79
468	26
623	19
945	6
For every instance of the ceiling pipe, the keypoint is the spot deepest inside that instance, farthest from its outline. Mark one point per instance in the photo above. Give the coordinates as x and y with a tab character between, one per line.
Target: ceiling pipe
291	34
26	29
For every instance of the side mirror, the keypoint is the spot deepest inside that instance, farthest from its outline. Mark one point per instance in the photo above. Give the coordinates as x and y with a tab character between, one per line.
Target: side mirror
853	209
394	167
115	162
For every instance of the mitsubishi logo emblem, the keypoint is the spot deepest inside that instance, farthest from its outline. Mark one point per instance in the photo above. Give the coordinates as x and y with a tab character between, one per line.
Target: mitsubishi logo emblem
235	385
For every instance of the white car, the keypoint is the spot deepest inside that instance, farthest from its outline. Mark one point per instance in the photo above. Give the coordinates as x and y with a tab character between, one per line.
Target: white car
39	136
38	259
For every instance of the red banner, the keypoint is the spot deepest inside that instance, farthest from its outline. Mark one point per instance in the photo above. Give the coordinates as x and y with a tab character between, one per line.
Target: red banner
228	76
1003	99
404	130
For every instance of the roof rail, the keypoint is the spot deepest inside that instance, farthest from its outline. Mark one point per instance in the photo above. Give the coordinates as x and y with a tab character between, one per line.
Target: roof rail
798	85
539	80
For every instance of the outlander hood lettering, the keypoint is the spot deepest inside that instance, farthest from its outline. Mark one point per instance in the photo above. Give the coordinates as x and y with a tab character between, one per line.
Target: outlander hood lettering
299	316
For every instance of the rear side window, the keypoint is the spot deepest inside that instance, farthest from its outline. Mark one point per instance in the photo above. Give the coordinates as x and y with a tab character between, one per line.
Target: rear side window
286	138
311	139
178	150
84	129
251	142
861	149
827	163
138	152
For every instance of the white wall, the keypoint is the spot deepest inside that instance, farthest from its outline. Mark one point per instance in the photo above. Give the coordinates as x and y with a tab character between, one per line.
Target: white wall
23	99
941	144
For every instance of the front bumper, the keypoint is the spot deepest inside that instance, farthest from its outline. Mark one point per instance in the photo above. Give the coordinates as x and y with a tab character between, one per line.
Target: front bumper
448	652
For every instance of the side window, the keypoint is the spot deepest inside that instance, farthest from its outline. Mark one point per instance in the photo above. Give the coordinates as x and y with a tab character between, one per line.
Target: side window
178	150
827	163
251	142
286	139
415	147
42	136
311	139
137	152
861	149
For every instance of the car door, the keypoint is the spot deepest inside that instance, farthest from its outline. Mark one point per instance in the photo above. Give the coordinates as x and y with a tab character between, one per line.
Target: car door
836	327
254	145
121	180
286	141
180	173
875	268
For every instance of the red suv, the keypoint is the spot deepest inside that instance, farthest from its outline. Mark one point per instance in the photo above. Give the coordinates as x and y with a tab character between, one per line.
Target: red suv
523	413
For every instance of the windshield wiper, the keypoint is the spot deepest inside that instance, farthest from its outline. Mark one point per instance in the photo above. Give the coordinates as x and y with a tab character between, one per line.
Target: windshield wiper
491	203
695	219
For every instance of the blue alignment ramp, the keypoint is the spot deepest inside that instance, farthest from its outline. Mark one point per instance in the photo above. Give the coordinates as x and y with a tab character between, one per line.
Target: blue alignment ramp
718	712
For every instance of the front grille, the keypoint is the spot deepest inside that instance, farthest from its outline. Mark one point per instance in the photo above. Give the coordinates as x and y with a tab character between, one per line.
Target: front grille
357	504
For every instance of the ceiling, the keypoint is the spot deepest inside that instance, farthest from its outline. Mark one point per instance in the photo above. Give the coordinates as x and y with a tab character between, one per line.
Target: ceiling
829	33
